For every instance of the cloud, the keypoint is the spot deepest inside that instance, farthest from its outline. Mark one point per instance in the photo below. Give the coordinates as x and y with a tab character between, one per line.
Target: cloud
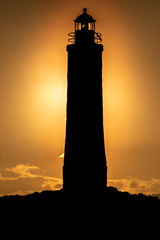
61	156
24	179
134	185
53	185
23	171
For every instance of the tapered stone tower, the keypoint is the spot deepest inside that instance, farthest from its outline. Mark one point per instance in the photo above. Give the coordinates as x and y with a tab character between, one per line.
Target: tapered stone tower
84	158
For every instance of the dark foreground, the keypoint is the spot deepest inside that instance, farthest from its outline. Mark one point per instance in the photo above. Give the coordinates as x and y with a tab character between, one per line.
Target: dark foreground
98	213
111	201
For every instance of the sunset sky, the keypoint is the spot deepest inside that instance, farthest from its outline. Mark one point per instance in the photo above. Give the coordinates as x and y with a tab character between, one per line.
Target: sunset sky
33	90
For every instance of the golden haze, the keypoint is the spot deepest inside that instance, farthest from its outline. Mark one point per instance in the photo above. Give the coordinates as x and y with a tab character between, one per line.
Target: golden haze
33	92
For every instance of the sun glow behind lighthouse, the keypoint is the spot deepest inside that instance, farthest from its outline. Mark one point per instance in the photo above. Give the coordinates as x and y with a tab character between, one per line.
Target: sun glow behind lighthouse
48	104
50	94
33	77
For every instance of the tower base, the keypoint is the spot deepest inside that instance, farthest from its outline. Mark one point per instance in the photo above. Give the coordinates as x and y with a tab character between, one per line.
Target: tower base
87	181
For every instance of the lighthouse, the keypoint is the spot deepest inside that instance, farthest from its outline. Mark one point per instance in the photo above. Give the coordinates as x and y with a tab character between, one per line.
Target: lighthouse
85	167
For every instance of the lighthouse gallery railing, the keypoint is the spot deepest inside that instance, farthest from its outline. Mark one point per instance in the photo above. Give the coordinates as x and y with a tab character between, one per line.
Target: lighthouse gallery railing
97	38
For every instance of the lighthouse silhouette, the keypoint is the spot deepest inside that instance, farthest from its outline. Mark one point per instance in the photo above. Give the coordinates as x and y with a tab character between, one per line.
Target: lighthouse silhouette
84	167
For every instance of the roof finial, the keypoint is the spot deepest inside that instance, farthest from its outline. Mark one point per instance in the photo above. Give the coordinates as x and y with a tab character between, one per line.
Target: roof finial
84	10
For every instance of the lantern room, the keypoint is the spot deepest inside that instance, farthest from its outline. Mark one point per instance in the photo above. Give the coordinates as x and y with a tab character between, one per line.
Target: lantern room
84	33
85	22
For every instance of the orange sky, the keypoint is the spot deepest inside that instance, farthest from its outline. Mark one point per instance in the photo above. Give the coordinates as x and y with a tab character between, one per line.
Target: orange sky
33	84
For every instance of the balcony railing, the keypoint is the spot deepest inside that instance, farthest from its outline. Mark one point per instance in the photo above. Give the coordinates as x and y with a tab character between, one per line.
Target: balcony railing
71	39
97	38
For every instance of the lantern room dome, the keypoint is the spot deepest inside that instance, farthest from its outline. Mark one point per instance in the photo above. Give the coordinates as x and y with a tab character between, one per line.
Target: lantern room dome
85	18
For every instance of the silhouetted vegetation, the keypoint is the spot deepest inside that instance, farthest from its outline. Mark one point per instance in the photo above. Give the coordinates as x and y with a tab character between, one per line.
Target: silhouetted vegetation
113	214
111	203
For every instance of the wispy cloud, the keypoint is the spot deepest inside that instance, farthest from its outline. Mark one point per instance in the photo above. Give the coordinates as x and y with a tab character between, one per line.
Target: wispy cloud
25	179
61	156
134	185
23	171
53	185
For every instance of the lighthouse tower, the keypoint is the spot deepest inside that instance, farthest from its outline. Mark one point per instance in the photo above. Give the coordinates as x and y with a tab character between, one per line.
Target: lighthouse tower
84	158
